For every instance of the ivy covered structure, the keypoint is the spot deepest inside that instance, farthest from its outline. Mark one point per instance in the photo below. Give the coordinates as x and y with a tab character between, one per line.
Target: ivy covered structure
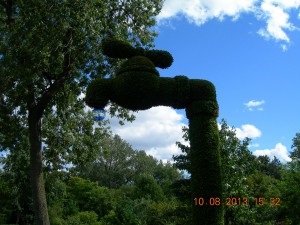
138	86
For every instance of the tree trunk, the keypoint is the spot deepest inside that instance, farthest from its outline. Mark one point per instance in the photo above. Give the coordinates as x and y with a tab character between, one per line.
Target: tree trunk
37	180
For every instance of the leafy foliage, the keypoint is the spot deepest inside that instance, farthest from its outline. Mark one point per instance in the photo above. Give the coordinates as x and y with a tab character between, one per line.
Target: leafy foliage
15	194
295	155
84	218
147	187
118	164
48	50
70	136
89	196
290	186
155	195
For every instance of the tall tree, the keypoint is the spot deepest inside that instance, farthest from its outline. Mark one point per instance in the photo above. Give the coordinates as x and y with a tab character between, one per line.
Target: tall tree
113	165
117	164
15	173
269	167
295	155
69	136
290	185
50	46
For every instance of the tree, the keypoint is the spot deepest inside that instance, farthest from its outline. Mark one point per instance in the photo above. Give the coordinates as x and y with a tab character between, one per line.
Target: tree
70	137
290	185
147	187
237	164
113	164
166	174
269	167
15	174
182	161
265	187
117	164
295	155
290	194
84	218
88	196
76	144
49	48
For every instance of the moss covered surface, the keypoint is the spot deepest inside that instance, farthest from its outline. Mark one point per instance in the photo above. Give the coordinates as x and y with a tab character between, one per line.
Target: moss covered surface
137	86
202	90
119	49
138	64
210	108
161	59
205	166
98	93
128	92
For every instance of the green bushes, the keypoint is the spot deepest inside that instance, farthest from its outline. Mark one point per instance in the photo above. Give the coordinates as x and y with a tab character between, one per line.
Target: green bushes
89	196
84	218
147	187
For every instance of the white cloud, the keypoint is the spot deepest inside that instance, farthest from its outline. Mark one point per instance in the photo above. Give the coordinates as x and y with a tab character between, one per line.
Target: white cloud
246	130
254	103
262	32
155	130
251	105
280	151
164	153
249	131
284	47
274	12
199	11
277	19
255	145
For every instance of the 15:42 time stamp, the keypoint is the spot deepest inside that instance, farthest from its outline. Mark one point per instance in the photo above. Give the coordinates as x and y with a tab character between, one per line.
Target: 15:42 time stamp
236	201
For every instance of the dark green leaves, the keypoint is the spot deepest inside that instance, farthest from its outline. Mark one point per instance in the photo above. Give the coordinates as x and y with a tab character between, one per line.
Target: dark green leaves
119	49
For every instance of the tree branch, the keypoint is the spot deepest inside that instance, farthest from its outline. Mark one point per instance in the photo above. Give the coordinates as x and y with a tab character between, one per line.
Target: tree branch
48	77
30	97
3	3
9	11
59	82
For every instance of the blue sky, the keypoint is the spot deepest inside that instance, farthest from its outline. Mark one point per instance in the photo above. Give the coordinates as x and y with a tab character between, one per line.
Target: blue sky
250	51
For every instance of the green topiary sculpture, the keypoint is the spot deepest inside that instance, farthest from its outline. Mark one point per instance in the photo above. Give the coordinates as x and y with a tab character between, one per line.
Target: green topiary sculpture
137	86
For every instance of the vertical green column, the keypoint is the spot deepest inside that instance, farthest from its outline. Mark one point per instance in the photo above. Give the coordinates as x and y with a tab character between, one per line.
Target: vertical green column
205	163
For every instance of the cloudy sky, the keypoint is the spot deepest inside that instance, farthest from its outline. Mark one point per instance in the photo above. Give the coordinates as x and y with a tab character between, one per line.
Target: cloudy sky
250	50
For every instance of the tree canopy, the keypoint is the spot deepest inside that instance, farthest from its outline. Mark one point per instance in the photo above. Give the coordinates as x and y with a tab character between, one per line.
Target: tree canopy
49	51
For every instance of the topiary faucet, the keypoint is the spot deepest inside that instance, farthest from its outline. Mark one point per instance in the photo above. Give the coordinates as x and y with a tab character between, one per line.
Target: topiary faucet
137	86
